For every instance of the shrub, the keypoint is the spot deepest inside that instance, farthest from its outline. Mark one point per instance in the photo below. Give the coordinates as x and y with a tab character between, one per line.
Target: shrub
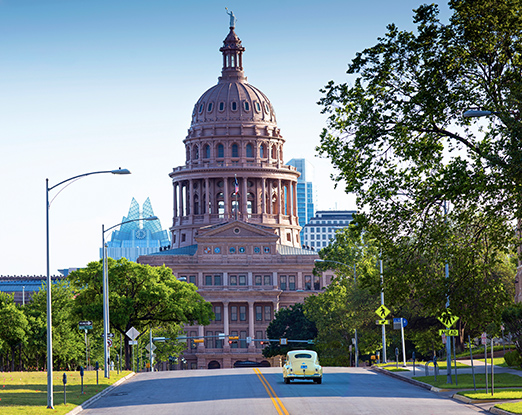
513	358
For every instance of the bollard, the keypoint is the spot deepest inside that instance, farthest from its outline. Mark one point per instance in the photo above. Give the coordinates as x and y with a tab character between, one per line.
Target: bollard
64	383
397	357
435	367
413	359
118	363
81	375
97	366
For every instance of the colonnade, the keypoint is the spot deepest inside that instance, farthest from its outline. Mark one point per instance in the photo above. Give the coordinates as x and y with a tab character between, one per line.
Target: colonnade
217	196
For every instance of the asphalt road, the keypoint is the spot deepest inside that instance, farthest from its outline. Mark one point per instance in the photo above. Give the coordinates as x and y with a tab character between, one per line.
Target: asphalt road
262	391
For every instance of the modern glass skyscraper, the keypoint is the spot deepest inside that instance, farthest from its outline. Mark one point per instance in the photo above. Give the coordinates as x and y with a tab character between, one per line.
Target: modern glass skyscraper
137	238
305	191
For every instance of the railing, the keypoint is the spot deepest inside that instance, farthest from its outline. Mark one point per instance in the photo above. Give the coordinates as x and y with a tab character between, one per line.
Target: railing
200	164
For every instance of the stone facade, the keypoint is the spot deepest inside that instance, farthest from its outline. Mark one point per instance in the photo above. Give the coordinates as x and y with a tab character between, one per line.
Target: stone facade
235	231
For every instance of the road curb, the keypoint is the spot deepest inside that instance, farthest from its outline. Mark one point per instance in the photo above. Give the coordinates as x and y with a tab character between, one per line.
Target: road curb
104	392
405	379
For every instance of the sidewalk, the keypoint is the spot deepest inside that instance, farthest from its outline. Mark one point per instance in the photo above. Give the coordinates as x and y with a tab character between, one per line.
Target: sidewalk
478	367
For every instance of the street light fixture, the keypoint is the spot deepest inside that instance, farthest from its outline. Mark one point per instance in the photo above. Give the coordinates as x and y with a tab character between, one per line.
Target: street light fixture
50	400
354	280
106	292
477	113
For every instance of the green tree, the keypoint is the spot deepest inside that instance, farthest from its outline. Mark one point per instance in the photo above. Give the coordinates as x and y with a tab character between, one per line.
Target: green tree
512	319
289	323
13	329
140	296
68	344
397	135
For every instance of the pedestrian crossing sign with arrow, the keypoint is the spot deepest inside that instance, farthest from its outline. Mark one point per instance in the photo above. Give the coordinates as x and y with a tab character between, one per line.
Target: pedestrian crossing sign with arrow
382	311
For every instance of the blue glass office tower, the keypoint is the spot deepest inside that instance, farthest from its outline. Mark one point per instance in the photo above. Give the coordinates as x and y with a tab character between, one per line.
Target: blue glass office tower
305	191
137	238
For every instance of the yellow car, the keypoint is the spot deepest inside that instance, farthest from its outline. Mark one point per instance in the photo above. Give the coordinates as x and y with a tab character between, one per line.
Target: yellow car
302	364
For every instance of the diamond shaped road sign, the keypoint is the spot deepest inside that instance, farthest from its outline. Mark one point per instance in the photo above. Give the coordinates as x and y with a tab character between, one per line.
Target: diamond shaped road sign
148	347
132	333
447	319
382	311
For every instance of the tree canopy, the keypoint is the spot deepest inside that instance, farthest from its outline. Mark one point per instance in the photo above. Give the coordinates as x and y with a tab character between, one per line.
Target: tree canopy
397	134
140	296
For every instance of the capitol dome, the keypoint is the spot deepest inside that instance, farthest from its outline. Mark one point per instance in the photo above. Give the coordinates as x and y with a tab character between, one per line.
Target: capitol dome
233	99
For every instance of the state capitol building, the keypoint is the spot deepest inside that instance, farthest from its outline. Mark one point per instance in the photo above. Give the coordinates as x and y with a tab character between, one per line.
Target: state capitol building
235	231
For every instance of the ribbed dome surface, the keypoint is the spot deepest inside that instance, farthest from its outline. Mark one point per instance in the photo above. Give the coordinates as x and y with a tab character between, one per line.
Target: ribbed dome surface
233	101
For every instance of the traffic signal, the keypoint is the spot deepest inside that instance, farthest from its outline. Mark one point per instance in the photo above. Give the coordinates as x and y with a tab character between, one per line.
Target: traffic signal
233	339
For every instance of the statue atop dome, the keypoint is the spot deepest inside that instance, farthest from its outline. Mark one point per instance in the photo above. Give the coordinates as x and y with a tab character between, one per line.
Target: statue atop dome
232	18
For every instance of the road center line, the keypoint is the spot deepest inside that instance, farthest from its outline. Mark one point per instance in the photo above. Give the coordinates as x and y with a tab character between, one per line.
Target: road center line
271	393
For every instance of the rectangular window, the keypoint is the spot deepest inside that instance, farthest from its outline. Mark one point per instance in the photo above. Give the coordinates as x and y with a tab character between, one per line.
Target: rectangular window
282	283
209	343
291	282
317	283
192	279
259	336
259	313
234	344
233	313
208	279
242	313
233	280
308	282
258	280
268	313
242	340
217	279
217	313
242	280
312	236
219	342
267	279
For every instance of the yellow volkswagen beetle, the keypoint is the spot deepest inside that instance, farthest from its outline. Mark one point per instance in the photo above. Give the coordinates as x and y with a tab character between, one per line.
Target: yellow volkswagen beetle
302	364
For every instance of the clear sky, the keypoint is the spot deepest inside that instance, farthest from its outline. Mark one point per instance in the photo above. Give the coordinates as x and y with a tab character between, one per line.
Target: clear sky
89	85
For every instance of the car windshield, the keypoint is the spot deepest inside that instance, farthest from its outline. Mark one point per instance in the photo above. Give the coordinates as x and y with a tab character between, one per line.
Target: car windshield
303	356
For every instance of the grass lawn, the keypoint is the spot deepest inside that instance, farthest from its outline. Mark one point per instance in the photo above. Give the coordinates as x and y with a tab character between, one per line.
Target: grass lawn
501	394
26	392
515	407
502	380
497	361
441	364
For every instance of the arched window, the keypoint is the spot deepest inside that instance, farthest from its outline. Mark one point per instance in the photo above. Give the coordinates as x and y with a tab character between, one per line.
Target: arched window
235	150
196	204
207	151
249	150
274	152
262	151
188	153
220	151
196	152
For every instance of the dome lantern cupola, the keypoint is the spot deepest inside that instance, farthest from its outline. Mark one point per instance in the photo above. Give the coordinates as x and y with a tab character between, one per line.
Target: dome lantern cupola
232	55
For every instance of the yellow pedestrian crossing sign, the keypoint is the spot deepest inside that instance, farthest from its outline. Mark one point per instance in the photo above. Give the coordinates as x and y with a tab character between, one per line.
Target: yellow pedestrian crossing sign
382	311
447	319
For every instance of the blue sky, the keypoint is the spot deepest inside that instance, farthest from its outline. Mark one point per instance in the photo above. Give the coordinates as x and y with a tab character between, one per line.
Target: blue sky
89	85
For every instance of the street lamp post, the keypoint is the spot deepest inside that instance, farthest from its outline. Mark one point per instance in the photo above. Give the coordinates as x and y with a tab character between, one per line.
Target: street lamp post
105	280
50	400
354	280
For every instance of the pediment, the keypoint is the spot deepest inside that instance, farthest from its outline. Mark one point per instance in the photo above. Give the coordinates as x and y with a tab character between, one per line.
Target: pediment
234	230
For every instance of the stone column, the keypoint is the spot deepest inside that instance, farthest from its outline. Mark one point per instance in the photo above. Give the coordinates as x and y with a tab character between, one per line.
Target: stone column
175	185
206	208
295	200
226	330
263	197
250	282
244	210
181	201
251	328
279	198
227	197
190	196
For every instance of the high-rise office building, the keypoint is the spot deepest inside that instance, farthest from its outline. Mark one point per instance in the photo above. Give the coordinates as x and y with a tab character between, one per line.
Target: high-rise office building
320	230
305	190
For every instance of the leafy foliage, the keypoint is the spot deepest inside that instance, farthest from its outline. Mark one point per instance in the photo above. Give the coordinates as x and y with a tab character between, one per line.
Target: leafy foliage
290	323
140	296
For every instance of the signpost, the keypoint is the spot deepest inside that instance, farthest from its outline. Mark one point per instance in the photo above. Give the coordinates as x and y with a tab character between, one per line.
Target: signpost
132	334
448	319
400	323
